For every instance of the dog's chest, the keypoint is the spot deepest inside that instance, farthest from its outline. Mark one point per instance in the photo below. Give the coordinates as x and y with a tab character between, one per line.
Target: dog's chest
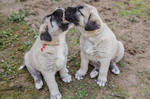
62	51
55	57
56	60
89	48
86	45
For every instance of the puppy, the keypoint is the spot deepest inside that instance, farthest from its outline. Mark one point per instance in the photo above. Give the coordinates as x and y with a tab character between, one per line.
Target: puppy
49	53
98	43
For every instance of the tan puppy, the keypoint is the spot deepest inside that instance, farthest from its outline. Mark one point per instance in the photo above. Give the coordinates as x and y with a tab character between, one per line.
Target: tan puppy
97	42
49	53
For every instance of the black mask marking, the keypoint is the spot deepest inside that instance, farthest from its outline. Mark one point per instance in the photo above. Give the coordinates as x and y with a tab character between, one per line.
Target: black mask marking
45	35
58	17
70	14
91	25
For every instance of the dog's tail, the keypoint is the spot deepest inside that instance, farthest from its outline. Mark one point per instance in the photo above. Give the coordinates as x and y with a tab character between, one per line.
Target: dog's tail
22	66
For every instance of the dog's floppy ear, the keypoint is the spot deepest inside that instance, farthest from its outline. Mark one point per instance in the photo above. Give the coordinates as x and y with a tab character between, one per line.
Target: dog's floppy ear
45	36
91	24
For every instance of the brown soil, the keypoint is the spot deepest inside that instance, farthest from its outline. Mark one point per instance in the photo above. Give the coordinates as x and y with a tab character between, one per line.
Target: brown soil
134	79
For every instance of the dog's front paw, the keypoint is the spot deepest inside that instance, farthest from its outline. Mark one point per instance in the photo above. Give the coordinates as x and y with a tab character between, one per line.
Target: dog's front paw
101	82
56	96
94	73
67	79
39	84
79	75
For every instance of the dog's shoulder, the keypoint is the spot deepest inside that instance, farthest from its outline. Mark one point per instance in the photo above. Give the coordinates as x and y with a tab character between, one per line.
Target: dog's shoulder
107	33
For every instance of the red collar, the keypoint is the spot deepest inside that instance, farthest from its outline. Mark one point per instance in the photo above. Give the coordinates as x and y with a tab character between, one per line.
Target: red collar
44	46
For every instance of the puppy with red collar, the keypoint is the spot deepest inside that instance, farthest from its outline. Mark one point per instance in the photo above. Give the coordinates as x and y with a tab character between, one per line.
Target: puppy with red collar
49	53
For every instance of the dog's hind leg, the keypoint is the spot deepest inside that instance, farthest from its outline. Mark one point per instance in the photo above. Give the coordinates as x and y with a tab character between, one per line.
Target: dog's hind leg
113	66
34	73
36	76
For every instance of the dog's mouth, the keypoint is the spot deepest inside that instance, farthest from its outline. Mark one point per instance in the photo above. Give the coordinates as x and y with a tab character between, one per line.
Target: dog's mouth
58	17
70	15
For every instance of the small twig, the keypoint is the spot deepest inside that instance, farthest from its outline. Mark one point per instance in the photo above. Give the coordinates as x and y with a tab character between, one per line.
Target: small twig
119	96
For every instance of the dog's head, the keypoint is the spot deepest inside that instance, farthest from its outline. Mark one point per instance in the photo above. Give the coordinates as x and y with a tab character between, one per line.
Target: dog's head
52	25
84	15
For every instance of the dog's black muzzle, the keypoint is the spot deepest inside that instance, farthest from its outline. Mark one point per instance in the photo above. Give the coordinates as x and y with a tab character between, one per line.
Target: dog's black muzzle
70	15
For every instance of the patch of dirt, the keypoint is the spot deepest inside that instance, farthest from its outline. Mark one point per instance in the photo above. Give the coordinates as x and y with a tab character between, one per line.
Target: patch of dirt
134	79
7	7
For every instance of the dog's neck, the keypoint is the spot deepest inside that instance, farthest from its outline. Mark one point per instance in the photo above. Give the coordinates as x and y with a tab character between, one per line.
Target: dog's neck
49	43
95	32
57	41
92	33
54	42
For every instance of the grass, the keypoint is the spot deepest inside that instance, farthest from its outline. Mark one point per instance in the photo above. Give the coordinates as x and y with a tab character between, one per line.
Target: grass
6	38
78	92
16	37
111	23
93	97
147	89
144	77
81	94
18	16
145	73
121	64
9	67
12	47
134	12
77	64
134	8
71	58
134	19
73	30
70	97
76	37
76	41
120	92
110	97
33	32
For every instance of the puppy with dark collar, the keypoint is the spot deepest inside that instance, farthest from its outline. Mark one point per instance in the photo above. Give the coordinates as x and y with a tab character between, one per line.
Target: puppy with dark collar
49	53
98	43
